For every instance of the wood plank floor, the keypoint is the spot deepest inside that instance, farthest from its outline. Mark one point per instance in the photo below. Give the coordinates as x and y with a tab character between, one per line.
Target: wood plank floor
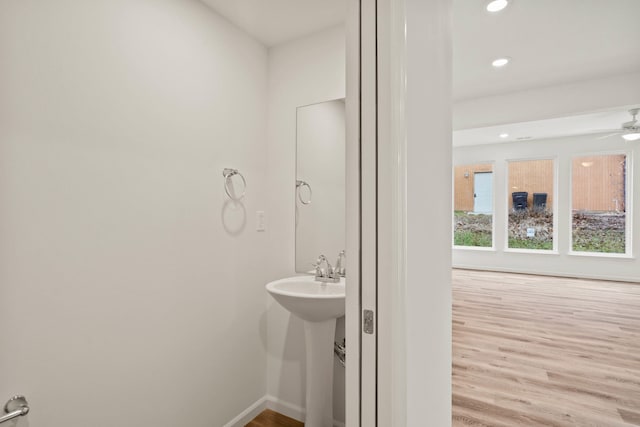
541	351
269	418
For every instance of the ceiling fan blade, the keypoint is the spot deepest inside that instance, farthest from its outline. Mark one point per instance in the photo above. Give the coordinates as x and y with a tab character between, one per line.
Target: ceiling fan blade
602	130
609	136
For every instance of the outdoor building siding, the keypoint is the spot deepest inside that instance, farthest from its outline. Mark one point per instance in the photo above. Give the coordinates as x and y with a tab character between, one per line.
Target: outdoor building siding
532	176
463	185
596	187
599	183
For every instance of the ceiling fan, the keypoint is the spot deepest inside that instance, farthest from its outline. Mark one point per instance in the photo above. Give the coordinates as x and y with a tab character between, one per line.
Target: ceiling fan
630	130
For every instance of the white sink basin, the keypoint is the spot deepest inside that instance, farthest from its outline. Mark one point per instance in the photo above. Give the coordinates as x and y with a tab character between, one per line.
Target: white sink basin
310	300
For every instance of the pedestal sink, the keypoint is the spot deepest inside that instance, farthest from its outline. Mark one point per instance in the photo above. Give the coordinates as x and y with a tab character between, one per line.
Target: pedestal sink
319	305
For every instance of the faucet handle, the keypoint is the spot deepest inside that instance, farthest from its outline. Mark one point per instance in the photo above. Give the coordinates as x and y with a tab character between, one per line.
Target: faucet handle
340	267
327	274
320	272
316	266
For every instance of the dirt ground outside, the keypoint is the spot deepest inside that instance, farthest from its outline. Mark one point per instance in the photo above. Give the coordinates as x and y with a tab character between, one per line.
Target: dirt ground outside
472	229
531	230
592	231
599	232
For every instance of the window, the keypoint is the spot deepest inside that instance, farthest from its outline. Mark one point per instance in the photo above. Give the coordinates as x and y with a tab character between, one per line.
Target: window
473	205
599	204
531	188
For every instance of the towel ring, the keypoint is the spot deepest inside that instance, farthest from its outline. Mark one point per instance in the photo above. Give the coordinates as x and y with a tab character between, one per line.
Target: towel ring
228	174
300	183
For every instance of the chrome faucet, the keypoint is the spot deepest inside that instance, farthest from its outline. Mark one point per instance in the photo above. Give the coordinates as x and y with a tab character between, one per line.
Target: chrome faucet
340	264
328	274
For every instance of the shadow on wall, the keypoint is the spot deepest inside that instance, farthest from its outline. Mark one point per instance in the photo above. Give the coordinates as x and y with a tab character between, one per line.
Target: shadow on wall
339	384
234	213
234	217
293	343
289	352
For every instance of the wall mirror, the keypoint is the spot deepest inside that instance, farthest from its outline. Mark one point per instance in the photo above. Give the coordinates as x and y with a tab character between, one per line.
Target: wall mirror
320	183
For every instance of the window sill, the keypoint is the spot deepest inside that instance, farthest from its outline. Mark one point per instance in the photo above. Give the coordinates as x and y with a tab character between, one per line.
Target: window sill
532	251
602	255
475	248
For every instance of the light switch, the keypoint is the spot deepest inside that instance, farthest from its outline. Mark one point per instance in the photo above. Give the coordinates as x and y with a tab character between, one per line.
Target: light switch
260	221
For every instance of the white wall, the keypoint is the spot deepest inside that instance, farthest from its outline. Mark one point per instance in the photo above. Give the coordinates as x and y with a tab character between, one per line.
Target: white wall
123	299
560	263
427	111
302	72
541	103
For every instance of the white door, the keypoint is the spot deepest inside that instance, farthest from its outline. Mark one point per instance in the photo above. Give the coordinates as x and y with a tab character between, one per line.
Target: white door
483	192
369	213
406	355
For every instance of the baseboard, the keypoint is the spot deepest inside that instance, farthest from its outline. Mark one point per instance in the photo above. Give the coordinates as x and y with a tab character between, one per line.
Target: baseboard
285	408
275	404
291	410
248	414
606	278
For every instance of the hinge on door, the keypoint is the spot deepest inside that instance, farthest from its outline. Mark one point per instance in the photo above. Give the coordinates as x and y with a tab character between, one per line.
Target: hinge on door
367	323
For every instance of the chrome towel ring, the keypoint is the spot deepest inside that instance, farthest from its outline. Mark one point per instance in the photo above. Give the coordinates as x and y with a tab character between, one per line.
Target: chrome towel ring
229	173
17	406
299	184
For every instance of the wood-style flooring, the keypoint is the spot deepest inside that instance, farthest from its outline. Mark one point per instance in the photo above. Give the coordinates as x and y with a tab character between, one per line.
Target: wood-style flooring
269	418
545	351
539	351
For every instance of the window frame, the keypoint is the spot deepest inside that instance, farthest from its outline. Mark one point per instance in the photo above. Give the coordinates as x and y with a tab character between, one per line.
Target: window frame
507	192
629	206
491	248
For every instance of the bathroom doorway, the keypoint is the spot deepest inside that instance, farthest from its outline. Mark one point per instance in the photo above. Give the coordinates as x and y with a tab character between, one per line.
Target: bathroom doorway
147	195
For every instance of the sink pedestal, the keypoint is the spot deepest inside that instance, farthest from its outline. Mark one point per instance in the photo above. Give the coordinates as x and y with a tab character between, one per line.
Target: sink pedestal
318	304
319	338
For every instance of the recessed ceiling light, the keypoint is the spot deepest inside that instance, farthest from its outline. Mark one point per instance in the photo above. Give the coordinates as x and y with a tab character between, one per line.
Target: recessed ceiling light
497	5
501	62
504	135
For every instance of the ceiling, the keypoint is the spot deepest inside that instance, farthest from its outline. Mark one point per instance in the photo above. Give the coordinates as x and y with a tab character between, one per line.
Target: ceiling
602	124
273	22
551	42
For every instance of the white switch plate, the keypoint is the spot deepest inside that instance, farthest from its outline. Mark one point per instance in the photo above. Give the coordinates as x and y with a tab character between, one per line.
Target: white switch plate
260	221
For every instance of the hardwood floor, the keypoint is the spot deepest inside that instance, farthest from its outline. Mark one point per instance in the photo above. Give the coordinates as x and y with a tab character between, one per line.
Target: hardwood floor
541	351
269	418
